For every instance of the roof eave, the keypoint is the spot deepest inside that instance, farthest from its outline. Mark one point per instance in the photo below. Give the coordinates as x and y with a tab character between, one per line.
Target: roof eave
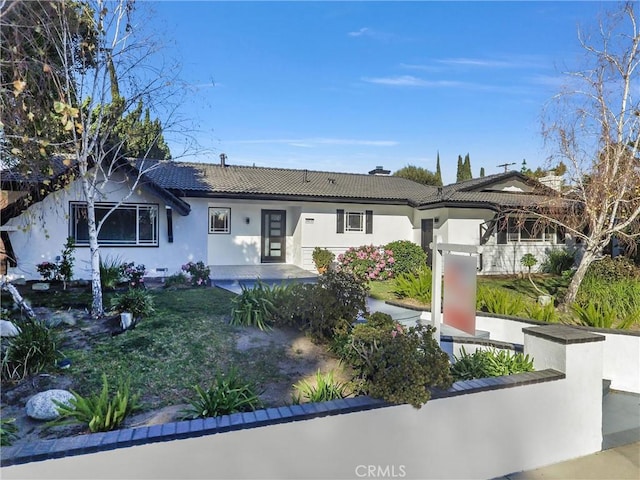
285	197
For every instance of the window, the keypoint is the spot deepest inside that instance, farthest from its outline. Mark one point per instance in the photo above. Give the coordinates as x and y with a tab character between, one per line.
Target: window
219	220
527	231
354	221
129	224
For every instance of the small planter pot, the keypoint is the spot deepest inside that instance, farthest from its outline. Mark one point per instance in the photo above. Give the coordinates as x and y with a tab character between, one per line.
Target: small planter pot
126	320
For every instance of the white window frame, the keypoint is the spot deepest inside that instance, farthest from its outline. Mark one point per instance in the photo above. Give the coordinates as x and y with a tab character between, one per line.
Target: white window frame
139	208
226	228
546	235
347	215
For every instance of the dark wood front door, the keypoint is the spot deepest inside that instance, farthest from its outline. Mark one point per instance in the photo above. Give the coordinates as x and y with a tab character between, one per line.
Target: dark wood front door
426	238
274	226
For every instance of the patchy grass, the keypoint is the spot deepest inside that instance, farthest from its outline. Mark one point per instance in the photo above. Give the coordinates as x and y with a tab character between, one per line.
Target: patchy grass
183	344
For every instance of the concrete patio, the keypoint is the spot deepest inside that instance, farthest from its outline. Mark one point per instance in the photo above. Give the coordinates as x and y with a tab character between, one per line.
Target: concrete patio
267	272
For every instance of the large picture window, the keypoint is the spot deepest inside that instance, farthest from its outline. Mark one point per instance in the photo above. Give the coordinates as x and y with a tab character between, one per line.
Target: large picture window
219	220
129	224
527	231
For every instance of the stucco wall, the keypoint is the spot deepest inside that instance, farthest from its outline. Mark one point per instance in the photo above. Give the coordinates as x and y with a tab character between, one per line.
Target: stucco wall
475	435
620	355
44	227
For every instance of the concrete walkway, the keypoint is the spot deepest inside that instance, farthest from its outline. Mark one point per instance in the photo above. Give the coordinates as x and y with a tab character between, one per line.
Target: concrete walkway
616	463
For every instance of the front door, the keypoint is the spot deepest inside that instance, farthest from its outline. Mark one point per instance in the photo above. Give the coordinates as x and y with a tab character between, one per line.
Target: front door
274	224
427	238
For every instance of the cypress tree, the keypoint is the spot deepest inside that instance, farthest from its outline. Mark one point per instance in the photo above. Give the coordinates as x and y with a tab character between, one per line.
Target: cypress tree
481	172
438	171
467	168
460	172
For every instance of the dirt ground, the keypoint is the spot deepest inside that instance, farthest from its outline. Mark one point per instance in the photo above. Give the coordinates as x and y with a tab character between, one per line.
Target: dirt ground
302	359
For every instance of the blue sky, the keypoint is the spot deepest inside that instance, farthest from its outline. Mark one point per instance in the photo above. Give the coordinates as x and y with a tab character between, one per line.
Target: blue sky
344	86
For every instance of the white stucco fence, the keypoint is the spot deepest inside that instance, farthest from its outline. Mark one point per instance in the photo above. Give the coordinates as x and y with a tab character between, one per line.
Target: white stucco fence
621	355
477	435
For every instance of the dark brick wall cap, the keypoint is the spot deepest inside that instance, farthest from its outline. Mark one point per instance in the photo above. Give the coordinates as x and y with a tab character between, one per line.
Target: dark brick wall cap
563	334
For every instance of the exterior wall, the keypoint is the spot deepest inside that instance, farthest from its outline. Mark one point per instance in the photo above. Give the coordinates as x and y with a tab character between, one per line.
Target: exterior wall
318	228
487	434
619	347
505	259
43	230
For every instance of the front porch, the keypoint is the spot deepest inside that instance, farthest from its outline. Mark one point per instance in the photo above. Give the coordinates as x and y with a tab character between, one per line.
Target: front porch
266	272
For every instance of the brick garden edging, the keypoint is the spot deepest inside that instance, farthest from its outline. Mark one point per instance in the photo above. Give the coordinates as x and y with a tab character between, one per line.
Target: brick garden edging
96	442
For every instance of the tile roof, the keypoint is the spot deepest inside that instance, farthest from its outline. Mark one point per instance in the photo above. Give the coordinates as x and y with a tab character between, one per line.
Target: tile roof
175	179
201	179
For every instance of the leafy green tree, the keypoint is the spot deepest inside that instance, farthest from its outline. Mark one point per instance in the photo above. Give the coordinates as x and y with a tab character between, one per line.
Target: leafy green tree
32	74
418	174
141	137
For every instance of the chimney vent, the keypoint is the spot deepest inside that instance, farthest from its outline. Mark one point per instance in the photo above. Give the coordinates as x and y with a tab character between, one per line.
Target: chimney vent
379	170
223	160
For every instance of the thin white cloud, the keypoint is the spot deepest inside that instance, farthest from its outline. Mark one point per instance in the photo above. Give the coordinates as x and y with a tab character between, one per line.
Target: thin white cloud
359	33
423	68
523	61
315	142
371	33
476	62
411	81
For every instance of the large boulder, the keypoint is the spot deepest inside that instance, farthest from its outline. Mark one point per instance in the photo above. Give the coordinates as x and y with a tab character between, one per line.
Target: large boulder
8	329
41	406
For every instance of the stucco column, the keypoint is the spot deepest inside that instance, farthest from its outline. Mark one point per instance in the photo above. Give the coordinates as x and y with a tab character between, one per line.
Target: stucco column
578	354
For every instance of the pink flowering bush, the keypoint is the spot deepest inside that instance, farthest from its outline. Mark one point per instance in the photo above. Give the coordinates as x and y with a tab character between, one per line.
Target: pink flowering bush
198	272
133	274
367	262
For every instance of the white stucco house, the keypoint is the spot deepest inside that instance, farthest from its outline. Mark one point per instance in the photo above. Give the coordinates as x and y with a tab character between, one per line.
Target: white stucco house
240	215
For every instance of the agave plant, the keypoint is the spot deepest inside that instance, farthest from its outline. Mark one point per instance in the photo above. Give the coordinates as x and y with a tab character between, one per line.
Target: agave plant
101	412
253	307
325	388
228	394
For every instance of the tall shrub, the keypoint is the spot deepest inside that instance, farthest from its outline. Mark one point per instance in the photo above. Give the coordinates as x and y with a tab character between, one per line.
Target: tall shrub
557	260
408	257
319	309
396	363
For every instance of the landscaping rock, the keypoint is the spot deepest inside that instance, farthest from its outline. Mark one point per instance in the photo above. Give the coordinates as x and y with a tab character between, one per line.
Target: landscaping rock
41	406
8	329
40	287
19	281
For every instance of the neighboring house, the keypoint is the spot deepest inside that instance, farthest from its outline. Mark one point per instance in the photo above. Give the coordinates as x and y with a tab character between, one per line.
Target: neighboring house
240	215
